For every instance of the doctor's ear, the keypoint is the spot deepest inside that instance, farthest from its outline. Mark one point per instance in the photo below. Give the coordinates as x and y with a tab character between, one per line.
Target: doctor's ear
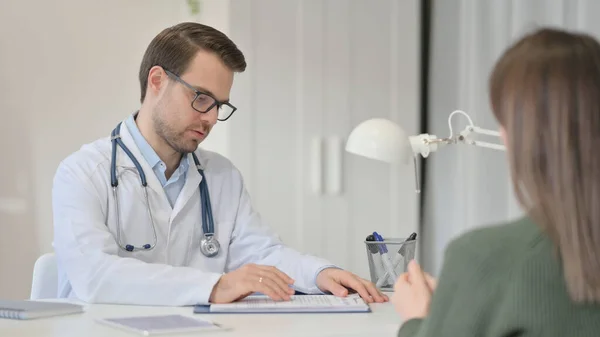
157	79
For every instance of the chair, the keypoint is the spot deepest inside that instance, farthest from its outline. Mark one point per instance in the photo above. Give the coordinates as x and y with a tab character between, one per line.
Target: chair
45	278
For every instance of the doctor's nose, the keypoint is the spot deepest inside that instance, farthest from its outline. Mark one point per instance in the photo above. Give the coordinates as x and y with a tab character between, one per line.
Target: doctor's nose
208	115
211	116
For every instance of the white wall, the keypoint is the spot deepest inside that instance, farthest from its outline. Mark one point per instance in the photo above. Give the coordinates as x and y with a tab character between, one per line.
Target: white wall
68	74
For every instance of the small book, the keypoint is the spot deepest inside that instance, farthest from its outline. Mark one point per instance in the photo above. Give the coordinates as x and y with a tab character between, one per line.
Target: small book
297	304
36	309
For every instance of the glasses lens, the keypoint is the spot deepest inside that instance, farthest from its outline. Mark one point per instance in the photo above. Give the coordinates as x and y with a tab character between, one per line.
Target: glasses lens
203	102
225	111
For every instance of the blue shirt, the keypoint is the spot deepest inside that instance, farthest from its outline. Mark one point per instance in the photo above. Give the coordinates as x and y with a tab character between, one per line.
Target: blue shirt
174	185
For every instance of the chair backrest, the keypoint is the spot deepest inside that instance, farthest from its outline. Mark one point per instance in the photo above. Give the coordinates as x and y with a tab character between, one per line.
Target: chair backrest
45	278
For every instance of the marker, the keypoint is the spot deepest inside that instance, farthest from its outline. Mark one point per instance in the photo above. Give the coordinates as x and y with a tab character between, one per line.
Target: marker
375	256
387	263
398	258
402	249
372	248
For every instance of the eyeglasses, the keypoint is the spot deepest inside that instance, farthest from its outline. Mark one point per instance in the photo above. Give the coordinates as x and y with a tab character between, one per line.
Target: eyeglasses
204	102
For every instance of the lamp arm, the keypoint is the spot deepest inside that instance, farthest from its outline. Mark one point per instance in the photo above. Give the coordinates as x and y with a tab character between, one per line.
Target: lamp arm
424	143
466	137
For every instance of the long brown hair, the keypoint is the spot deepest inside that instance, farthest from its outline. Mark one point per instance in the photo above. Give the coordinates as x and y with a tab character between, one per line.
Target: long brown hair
545	92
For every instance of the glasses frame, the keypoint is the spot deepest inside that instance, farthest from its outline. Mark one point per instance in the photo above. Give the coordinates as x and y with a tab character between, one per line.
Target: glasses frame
216	103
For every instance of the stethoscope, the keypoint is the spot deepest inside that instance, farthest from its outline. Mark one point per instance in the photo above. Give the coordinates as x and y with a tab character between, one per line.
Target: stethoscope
209	245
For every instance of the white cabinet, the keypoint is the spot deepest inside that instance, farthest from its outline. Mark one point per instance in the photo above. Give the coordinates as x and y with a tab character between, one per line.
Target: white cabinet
315	70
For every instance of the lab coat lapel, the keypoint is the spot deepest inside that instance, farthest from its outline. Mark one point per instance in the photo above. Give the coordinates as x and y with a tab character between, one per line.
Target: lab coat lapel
191	186
124	161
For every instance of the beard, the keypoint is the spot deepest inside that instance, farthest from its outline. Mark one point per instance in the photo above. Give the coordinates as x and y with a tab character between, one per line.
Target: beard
165	130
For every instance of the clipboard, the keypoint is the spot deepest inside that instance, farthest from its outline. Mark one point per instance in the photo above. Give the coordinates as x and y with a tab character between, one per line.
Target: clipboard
297	304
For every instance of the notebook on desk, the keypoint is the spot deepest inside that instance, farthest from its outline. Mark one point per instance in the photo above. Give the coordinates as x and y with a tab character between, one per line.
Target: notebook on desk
36	309
297	304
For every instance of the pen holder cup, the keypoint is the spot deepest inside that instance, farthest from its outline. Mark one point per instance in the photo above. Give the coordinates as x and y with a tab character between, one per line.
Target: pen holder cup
388	259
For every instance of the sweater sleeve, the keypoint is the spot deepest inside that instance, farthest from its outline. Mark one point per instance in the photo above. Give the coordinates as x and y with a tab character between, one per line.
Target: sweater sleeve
468	285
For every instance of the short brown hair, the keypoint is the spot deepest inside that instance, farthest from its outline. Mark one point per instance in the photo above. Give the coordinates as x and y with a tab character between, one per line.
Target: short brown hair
545	92
175	47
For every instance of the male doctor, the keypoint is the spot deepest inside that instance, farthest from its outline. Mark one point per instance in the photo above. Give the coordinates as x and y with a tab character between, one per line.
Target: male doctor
118	241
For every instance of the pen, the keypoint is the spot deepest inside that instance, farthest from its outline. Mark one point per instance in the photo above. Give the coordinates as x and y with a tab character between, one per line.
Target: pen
387	263
398	258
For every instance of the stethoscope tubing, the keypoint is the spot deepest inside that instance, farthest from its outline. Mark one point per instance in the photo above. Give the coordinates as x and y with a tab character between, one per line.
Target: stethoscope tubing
207	216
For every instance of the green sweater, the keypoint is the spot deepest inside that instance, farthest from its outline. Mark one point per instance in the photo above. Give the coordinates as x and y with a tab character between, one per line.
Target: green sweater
503	281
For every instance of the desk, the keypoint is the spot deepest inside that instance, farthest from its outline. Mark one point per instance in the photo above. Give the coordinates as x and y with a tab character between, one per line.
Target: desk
382	321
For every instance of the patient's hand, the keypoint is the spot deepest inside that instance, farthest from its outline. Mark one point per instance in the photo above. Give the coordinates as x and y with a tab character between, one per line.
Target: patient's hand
412	292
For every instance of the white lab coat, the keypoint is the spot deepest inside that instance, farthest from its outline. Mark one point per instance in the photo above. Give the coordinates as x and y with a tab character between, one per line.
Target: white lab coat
93	268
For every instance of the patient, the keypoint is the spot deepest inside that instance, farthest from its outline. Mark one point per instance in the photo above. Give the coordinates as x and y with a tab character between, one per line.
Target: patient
538	276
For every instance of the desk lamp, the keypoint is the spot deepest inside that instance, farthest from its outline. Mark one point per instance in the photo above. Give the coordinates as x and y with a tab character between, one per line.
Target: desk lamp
386	141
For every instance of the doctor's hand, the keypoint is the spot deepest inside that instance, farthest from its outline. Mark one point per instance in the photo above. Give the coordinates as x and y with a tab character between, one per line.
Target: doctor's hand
412	292
249	279
337	282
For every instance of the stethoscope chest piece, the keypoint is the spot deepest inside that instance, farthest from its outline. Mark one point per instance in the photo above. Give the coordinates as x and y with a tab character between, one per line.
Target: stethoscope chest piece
209	246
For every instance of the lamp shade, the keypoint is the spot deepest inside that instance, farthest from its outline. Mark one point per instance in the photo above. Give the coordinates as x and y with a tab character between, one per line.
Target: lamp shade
379	139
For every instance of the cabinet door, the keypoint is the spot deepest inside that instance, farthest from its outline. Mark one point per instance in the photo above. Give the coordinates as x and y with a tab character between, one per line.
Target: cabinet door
315	70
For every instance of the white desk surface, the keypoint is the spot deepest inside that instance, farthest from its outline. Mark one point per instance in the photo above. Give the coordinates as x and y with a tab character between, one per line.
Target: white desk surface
382	321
